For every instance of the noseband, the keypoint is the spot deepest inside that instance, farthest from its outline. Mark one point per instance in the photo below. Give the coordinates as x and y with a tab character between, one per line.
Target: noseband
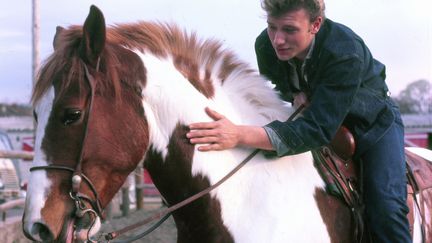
77	173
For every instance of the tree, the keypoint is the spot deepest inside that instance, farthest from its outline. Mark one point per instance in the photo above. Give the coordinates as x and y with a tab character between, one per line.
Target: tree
416	98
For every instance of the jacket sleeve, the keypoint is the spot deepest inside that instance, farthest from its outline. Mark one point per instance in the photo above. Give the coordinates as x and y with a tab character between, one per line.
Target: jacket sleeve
339	81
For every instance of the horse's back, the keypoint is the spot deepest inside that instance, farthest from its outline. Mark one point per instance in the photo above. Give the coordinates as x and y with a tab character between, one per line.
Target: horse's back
419	162
270	199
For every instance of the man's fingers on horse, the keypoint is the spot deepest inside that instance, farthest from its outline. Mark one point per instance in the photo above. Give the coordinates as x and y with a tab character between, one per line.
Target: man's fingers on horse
202	125
203	140
214	114
202	133
210	147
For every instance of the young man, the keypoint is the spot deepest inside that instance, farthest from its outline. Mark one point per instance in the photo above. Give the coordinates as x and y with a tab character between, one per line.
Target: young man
316	61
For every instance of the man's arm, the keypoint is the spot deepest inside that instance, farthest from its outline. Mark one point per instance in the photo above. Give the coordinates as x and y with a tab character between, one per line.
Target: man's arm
223	134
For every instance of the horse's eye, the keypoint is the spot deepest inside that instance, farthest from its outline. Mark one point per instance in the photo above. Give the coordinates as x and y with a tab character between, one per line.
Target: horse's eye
71	116
35	116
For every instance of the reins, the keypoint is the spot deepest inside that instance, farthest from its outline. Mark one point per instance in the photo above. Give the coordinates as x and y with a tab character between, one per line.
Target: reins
164	214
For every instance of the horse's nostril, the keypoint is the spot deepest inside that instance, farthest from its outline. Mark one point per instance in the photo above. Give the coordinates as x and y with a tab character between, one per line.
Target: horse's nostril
41	230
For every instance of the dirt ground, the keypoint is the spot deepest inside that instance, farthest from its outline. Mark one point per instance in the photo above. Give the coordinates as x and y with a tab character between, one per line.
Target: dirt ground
166	233
11	232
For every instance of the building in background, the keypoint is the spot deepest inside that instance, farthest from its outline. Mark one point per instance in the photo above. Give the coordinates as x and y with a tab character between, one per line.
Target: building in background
20	131
418	130
9	173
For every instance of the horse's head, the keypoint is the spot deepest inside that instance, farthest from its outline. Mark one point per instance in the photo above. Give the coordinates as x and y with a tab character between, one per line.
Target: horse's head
89	113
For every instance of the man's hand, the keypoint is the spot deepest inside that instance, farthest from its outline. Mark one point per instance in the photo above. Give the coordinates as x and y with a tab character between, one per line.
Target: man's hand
300	99
217	135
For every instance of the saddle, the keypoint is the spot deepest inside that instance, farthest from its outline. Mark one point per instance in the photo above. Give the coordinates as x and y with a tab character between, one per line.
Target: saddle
342	176
340	173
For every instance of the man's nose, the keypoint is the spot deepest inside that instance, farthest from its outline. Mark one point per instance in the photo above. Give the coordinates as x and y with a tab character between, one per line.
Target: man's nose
278	38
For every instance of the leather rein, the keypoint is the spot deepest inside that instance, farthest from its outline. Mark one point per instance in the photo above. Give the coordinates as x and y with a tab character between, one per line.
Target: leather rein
96	208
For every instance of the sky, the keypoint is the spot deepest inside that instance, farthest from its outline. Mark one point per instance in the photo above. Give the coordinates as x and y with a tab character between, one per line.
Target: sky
398	32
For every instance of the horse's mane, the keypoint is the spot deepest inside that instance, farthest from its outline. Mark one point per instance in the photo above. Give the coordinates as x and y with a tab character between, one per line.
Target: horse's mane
196	59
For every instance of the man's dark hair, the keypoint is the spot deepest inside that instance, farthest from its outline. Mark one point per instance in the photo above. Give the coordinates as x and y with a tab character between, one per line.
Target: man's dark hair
276	8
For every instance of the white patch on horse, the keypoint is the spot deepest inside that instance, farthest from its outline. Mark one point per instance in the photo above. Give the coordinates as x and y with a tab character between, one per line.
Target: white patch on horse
39	182
167	100
274	196
266	198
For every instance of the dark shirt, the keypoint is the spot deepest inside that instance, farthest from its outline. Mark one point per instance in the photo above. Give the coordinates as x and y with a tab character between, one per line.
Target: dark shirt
345	85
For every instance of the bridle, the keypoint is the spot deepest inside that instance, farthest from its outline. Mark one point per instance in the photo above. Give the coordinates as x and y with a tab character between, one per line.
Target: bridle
78	175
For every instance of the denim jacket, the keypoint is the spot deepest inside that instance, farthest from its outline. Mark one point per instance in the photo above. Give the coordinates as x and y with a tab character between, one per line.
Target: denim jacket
345	85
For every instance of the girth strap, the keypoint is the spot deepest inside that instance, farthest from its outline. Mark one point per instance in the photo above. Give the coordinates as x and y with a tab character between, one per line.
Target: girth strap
335	164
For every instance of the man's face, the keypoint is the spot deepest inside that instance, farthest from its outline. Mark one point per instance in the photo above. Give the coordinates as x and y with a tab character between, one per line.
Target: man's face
291	33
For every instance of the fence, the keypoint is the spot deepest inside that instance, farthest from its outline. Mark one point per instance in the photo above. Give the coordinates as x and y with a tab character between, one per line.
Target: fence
8	154
125	204
10	205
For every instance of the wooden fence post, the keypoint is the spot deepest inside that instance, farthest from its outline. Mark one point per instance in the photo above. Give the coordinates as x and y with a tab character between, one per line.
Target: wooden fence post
139	187
109	211
12	154
125	206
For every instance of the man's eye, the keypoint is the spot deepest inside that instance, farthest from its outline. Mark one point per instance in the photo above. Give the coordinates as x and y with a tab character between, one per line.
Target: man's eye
273	28
290	30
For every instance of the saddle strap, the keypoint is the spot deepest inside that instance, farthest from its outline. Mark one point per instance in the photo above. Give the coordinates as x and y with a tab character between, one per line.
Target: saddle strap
341	182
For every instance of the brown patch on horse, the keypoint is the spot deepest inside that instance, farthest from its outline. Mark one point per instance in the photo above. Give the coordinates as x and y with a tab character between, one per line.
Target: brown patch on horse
336	223
420	191
201	220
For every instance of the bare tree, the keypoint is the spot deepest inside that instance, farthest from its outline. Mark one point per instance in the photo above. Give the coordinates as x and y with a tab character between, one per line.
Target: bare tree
416	98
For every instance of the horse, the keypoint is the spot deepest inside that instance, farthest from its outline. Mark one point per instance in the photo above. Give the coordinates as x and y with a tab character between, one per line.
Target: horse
110	98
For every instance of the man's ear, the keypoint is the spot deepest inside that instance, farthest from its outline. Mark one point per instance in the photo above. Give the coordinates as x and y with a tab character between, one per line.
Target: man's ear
316	25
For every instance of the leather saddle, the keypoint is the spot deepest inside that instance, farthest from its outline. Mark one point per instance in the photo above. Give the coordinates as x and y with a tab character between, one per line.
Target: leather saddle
342	176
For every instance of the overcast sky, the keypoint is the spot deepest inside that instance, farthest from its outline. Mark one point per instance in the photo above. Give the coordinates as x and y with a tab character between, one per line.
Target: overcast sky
398	32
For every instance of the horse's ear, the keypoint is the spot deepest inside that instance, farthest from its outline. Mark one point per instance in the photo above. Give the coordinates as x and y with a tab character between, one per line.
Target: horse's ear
93	39
56	42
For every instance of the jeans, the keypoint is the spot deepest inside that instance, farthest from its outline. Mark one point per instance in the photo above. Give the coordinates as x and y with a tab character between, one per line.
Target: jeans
384	188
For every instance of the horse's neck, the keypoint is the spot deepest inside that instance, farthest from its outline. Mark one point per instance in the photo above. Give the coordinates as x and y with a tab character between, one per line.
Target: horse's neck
170	99
171	102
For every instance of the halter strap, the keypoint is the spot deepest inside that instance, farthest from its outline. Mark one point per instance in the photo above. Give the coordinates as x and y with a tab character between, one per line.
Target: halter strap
77	173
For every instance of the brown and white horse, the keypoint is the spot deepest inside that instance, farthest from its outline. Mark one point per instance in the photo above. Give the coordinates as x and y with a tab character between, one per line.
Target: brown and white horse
109	98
